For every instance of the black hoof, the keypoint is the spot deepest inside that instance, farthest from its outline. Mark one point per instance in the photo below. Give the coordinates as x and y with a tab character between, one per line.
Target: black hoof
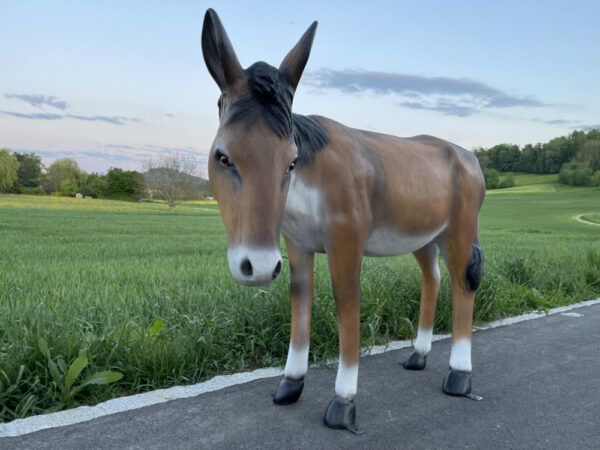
416	361
289	391
457	383
340	414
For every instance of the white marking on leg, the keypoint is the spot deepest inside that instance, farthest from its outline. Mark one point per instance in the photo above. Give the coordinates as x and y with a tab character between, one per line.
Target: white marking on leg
423	342
296	365
346	381
436	268
460	356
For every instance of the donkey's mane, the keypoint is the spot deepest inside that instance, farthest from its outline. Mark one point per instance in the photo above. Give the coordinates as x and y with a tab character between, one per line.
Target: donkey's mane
270	96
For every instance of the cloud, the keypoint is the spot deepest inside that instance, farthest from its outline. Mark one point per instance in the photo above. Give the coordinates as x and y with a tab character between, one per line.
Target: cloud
451	96
115	120
37	116
126	156
552	121
446	107
108	157
39	100
586	127
557	122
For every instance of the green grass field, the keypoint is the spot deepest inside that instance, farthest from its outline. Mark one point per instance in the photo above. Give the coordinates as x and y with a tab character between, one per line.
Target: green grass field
146	292
530	179
595	218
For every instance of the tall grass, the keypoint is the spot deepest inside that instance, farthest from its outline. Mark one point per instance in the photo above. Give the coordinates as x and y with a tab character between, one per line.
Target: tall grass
147	293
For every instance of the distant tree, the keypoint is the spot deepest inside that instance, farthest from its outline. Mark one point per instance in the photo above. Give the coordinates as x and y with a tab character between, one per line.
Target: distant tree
30	170
595	180
173	176
491	178
124	184
507	157
60	170
529	157
575	174
9	168
68	187
590	154
94	186
483	157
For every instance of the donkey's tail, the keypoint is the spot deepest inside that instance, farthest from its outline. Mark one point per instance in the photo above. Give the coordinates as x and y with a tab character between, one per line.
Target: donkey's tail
475	264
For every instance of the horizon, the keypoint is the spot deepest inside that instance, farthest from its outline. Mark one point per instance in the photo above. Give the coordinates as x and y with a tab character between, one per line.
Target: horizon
110	84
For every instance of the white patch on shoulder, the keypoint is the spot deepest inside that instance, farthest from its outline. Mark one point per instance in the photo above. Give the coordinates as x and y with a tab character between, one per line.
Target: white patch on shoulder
423	342
296	365
460	355
385	241
346	380
303	218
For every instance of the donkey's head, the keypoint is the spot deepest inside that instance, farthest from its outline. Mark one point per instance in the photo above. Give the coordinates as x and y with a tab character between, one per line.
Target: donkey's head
254	151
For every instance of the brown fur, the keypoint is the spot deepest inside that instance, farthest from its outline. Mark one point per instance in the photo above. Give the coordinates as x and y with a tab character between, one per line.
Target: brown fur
414	186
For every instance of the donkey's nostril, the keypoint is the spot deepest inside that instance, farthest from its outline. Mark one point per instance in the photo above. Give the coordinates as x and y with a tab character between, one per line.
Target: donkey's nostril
246	267
277	269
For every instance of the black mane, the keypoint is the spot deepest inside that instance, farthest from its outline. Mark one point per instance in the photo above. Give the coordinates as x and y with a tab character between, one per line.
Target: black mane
270	96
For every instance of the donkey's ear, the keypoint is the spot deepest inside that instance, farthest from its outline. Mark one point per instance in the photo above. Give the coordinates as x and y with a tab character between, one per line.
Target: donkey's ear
295	61
218	53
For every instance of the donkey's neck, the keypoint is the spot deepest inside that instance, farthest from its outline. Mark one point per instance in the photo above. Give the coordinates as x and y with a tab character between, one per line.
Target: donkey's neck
309	136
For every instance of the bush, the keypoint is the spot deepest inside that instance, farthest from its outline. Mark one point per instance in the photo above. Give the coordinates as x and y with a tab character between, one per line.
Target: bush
124	184
491	178
575	174
68	188
595	180
9	167
31	191
508	182
60	170
95	186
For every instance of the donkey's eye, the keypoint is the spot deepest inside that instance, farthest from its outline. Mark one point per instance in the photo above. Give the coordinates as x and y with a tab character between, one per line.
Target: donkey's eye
292	165
224	159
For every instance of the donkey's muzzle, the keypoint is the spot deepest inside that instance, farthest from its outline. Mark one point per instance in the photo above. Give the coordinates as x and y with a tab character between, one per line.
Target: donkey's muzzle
254	266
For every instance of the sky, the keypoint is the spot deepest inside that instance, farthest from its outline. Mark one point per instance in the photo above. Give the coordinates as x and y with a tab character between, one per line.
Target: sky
110	83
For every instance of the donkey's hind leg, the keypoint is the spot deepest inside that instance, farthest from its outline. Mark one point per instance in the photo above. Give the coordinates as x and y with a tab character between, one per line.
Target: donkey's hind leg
427	257
464	259
301	289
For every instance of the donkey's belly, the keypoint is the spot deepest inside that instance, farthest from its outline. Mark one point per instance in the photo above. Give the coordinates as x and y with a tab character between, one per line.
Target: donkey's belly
305	222
386	241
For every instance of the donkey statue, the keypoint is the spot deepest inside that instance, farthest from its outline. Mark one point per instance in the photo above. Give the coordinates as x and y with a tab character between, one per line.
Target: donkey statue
343	192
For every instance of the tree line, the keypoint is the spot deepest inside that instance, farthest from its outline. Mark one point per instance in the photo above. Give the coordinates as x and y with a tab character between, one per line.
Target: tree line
170	177
576	158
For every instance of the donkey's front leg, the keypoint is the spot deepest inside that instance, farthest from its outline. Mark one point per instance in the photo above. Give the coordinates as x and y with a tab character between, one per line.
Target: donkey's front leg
345	256
301	289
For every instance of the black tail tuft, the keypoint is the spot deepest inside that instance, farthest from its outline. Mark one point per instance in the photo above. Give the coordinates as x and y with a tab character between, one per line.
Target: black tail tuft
475	267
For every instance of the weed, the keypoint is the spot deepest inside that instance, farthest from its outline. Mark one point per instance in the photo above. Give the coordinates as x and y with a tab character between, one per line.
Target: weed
64	375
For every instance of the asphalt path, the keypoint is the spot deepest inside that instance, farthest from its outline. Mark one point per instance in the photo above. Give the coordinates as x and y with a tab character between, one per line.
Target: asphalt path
539	379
